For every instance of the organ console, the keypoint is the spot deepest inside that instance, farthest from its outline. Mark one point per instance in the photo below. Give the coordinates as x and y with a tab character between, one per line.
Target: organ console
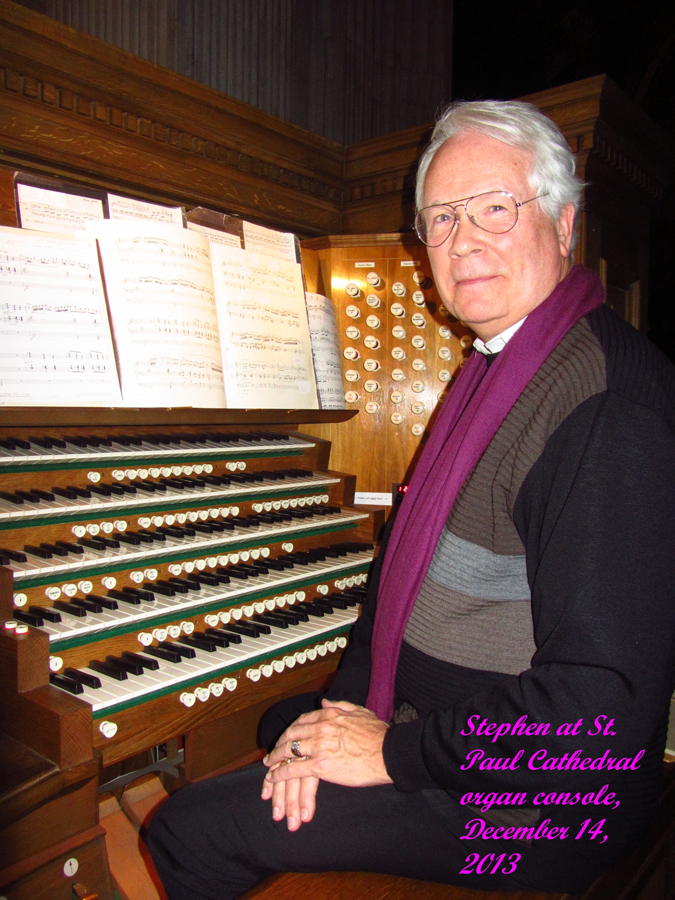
161	581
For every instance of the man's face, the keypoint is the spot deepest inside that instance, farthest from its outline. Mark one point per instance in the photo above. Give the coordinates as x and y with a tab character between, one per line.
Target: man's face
491	281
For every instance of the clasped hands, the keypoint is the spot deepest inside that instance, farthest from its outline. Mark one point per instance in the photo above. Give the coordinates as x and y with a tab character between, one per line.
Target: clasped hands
340	742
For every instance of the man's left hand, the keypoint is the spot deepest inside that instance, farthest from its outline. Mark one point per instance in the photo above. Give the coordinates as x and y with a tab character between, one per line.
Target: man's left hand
340	742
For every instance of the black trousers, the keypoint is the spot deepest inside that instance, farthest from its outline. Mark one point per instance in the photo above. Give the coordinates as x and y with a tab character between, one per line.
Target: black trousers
216	839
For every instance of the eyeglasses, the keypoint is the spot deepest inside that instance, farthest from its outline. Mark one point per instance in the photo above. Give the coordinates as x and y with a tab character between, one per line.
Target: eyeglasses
494	211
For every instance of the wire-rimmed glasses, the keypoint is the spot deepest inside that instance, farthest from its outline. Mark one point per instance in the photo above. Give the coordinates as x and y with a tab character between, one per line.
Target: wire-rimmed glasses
493	211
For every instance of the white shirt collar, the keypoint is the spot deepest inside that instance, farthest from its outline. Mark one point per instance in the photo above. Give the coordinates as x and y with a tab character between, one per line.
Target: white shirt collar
499	341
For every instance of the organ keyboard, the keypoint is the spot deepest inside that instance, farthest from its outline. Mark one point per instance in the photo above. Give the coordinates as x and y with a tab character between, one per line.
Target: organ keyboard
170	564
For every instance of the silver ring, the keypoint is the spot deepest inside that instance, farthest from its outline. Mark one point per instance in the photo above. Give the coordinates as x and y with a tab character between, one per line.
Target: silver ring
295	749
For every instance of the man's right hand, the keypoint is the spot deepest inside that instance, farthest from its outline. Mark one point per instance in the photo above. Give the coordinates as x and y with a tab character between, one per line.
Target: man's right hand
294	799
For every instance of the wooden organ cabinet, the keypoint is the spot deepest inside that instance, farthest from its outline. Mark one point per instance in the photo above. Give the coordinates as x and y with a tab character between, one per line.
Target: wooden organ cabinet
400	351
172	576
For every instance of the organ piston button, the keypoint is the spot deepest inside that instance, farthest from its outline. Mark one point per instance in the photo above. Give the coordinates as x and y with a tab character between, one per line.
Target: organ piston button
373	301
230	684
445	352
211	620
371	342
187	699
398	374
216	689
417	408
397	309
372	407
419	365
417	429
398	332
371	386
418	386
173	631
419	277
341	642
352	332
444	332
353	312
352	375
289	661
352	290
371	365
396	418
159	634
418	342
373	279
187	627
108	729
373	322
351	353
267	670
351	397
55	662
253	674
418	320
398	353
145	638
418	298
444	375
465	341
398	289
278	665
202	694
396	397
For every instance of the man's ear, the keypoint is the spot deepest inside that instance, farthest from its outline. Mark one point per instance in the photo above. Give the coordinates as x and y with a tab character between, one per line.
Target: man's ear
565	227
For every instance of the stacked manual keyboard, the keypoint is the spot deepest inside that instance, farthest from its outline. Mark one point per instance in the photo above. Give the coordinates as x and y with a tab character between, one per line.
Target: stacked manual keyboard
179	577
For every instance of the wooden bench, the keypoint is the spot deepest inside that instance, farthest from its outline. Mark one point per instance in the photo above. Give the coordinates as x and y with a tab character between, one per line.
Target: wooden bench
648	873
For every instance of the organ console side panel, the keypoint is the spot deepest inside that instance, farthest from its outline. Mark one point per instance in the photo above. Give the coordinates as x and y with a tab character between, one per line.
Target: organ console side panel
400	350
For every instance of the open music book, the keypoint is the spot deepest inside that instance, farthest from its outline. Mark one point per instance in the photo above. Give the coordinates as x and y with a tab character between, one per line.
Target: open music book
169	319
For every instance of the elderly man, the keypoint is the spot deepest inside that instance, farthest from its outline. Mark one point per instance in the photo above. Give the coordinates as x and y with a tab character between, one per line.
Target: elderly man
499	718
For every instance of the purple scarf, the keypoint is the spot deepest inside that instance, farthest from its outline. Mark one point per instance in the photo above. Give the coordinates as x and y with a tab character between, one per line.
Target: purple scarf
469	419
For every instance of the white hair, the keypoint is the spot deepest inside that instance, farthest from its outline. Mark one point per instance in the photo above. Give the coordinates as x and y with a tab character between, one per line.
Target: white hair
519	125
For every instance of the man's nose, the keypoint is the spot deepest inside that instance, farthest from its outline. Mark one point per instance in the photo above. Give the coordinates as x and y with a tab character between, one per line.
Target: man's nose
466	237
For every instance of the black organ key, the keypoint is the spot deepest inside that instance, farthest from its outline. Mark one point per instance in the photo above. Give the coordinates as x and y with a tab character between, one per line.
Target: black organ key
140	660
201	578
30	618
92	543
129	666
68	494
263	568
54	549
101	490
182	585
73	610
228	635
271	619
175	647
105	602
278	564
88	603
14	555
68	684
223	640
128	488
31	496
233	572
153	535
320	603
37	551
83	677
130	538
71	548
296	614
11	498
202	528
146	486
170	531
49	614
163	652
83	493
315	611
106	668
125	597
336	601
14	443
166	589
343	598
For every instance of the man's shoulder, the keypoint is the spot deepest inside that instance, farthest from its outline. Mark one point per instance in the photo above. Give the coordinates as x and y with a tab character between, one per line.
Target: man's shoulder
635	368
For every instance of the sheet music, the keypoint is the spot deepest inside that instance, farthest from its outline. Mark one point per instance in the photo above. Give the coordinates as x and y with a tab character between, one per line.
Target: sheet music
160	292
267	357
323	330
268	242
56	211
56	348
214	235
139	211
